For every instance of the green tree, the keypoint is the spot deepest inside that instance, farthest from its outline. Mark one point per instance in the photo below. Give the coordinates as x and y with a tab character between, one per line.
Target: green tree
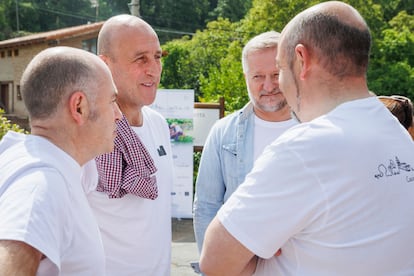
226	80
194	58
392	7
213	55
22	17
392	69
177	70
234	10
6	125
171	19
56	14
5	29
15	17
114	7
266	15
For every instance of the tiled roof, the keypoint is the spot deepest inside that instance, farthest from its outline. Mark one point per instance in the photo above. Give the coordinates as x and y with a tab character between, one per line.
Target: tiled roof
64	33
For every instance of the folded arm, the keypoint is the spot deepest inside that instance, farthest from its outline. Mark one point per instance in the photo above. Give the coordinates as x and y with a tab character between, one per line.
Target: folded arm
222	254
18	258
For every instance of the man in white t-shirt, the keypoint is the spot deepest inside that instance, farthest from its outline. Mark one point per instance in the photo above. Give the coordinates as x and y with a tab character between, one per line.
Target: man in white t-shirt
235	142
335	192
46	225
129	189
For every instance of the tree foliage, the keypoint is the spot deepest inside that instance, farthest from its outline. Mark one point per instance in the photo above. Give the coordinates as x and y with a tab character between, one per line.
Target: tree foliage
20	17
234	10
392	69
210	34
193	59
6	125
213	55
170	18
226	78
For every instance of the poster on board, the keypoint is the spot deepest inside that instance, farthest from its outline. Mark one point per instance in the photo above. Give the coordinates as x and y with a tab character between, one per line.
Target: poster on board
204	119
177	106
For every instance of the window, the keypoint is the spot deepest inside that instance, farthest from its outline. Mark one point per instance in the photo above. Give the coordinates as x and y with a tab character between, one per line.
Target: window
19	95
90	45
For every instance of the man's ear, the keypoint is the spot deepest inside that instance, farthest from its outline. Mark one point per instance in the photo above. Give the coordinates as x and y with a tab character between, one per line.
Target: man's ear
303	58
104	58
78	107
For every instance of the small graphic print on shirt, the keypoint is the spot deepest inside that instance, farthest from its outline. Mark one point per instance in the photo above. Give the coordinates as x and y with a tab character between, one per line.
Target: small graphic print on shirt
393	167
161	151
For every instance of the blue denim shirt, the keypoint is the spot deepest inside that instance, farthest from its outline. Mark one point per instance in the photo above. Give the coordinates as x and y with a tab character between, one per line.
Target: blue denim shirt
226	159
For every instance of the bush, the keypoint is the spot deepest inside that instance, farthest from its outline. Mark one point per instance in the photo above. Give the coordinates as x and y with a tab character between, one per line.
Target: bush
6	125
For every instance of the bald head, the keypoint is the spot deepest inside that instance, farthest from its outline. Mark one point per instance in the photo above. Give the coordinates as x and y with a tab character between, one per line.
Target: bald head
344	12
336	35
54	74
116	29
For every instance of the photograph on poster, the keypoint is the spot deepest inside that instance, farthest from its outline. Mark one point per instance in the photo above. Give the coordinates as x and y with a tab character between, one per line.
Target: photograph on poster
180	130
177	106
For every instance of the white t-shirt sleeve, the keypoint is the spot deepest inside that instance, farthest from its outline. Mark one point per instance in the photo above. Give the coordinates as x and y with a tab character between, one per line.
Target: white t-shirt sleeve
274	203
32	210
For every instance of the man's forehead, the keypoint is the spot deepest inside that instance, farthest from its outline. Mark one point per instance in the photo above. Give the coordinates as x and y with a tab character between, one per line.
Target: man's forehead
136	44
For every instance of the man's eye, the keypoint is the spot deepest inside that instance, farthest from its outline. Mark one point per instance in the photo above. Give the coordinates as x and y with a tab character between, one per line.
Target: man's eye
140	59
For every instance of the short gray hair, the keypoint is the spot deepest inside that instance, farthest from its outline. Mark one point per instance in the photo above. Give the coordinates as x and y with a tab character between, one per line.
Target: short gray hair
343	48
267	40
52	76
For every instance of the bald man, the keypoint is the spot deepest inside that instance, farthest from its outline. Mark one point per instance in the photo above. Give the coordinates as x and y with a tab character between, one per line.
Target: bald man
129	189
334	192
46	225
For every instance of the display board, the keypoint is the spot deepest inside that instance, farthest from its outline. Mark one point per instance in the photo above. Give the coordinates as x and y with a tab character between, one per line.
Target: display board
177	106
189	125
205	115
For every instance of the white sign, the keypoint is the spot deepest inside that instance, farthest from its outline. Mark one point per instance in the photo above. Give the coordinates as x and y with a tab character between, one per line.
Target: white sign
177	106
204	119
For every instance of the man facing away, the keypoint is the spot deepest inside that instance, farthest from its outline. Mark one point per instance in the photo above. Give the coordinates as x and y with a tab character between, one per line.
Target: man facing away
46	225
238	139
334	192
129	189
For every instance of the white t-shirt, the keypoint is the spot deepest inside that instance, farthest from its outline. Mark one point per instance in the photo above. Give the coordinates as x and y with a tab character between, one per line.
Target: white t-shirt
136	232
266	132
42	204
336	194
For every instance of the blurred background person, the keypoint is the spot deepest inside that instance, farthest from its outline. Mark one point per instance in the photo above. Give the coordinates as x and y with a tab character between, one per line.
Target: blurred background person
402	108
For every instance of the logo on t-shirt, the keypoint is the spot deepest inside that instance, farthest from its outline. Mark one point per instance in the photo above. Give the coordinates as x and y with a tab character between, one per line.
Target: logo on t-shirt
393	167
161	151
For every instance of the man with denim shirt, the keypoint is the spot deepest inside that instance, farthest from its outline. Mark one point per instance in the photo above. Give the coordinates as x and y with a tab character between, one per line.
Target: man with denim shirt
237	140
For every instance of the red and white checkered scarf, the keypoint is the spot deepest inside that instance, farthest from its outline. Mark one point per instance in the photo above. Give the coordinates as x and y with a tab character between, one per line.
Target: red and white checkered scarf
129	168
